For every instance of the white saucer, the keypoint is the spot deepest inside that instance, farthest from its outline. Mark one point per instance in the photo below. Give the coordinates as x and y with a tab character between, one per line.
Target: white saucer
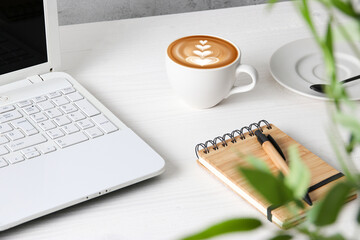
297	65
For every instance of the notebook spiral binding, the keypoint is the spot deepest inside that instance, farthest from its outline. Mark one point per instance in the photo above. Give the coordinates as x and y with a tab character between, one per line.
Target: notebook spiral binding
231	136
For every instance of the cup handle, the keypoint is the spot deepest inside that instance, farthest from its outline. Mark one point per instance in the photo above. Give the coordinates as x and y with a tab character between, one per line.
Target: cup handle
253	74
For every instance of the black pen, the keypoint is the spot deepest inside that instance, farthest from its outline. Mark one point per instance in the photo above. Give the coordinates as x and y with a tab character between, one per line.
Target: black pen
276	158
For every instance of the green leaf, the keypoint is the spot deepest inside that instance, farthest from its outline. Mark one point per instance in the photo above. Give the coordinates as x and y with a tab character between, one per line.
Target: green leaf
327	210
351	144
304	230
298	180
318	236
329	37
328	52
337	236
282	237
358	217
336	144
271	188
258	164
345	7
299	204
350	33
229	226
271	3
305	12
350	122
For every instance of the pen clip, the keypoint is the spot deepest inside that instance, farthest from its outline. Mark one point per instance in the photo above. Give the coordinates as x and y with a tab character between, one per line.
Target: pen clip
306	198
277	147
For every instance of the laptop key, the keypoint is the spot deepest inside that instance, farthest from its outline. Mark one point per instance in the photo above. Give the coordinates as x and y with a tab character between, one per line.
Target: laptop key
72	139
39	99
3	150
60	101
32	154
68	108
54	94
85	124
47	125
68	90
39	117
3	163
62	120
51	113
26	142
31	110
5	128
3	139
24	103
75	96
46	148
14	158
26	126
76	116
46	105
6	108
8	116
104	124
28	150
94	132
55	133
70	128
85	106
15	135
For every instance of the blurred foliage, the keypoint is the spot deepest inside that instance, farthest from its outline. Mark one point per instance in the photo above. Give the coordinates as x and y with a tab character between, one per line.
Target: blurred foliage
280	190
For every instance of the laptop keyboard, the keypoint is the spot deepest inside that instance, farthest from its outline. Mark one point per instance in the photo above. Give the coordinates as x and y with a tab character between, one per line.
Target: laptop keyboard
48	123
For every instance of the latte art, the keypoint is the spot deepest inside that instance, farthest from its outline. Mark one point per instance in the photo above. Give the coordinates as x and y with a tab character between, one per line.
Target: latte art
202	52
202	57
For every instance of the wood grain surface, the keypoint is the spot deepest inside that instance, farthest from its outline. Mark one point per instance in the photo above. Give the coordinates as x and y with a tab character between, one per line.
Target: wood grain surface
227	159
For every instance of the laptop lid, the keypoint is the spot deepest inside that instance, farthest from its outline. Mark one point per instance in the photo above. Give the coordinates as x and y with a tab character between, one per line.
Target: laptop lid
29	39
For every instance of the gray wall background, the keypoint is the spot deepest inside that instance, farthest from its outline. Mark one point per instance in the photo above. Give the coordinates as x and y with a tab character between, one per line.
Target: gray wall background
83	11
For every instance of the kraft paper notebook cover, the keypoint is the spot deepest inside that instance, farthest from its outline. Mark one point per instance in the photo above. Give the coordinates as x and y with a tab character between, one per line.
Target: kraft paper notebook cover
224	161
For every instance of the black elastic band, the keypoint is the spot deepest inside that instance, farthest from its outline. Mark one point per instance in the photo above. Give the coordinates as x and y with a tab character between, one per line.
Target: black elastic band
325	181
312	188
269	210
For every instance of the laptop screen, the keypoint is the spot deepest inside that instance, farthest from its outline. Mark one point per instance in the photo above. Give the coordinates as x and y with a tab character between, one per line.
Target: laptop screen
22	34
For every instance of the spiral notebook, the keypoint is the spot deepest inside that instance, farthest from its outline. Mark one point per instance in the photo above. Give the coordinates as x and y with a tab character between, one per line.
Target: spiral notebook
220	156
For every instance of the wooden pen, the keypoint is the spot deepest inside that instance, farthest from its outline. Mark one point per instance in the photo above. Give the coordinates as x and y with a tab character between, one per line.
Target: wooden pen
276	158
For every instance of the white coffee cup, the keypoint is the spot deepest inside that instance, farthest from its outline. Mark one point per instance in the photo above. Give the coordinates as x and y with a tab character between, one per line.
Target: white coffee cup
206	87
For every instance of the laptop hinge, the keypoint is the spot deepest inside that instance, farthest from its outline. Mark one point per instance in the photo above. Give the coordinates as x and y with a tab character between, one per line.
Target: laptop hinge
35	79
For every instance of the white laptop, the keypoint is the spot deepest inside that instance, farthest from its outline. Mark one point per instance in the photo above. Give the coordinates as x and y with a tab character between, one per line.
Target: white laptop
59	145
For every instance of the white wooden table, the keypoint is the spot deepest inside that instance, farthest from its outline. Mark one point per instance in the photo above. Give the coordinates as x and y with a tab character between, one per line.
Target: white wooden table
122	64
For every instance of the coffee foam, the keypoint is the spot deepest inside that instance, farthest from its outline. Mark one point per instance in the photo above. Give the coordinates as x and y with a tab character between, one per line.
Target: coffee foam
202	52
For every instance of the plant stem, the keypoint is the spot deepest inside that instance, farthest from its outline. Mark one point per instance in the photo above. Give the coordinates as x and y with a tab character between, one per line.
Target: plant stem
346	163
348	37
